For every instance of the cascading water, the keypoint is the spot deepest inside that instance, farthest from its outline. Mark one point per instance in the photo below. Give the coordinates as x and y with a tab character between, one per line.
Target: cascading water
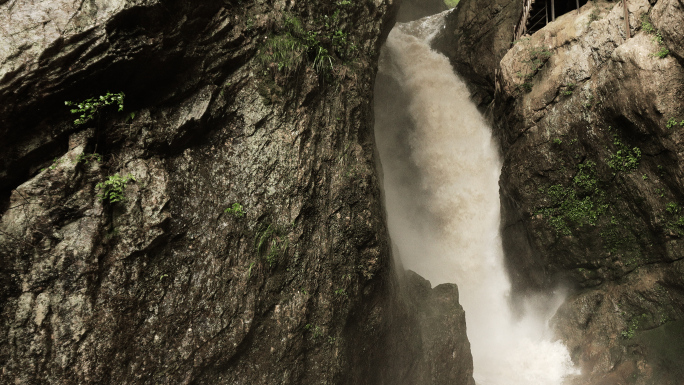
441	171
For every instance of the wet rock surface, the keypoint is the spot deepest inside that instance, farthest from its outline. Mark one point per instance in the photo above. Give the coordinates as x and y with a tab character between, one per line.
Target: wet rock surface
445	356
476	36
262	104
590	124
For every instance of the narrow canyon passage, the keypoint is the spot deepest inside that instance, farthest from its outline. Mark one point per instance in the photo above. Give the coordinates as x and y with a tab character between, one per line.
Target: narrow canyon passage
440	176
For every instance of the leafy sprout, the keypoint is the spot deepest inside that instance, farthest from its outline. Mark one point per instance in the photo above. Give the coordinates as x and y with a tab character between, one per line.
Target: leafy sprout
90	107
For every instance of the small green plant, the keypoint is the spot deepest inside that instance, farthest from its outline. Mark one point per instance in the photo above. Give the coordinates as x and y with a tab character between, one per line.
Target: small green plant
648	28
323	61
235	210
536	58
662	53
285	52
113	188
624	159
673	208
294	44
270	244
527	87
672	122
658	38
581	203
276	248
315	330
87	158
568	89
89	108
341	292
675	220
633	326
593	16
249	25
55	163
646	25
249	270
114	232
557	141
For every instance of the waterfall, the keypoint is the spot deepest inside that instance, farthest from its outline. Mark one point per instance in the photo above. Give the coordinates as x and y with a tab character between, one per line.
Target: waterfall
440	178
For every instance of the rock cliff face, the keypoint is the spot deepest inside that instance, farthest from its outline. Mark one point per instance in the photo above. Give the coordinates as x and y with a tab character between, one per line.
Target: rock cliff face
590	124
591	127
476	36
225	226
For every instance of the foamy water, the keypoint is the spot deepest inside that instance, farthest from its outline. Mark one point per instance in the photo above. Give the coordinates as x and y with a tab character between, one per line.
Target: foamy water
441	171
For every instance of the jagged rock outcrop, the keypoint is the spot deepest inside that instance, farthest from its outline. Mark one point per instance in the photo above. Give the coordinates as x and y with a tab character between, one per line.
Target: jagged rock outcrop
476	36
242	240
445	356
591	129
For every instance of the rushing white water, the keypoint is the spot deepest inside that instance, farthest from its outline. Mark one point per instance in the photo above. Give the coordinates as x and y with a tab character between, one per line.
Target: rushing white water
441	171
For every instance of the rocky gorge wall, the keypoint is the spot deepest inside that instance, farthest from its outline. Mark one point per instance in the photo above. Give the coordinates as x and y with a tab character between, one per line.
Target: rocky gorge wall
592	183
590	125
242	238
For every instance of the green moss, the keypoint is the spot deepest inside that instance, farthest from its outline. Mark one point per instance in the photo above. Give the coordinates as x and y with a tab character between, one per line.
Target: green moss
634	325
616	237
580	204
625	159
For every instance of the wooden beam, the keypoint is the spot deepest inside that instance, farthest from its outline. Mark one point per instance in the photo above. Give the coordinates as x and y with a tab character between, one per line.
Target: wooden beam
553	10
628	33
546	11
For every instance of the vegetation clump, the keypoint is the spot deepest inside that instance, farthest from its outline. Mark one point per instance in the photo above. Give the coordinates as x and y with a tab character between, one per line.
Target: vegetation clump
87	158
672	122
675	219
113	188
271	244
581	203
625	159
536	58
648	28
294	45
568	89
91	107
235	210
